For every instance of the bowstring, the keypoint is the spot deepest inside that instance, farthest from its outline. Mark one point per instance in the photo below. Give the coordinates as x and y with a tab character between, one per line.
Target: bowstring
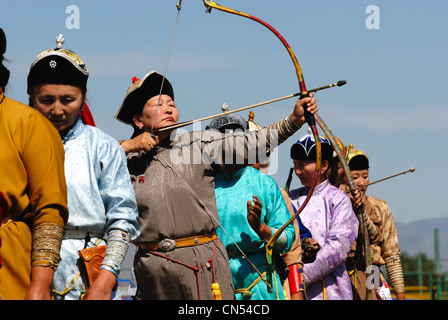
210	215
178	6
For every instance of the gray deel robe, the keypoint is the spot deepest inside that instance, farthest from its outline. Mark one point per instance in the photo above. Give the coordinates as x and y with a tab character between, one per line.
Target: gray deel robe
175	189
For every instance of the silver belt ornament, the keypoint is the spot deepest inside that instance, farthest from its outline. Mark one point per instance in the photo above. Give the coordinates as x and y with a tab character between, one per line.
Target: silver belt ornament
166	245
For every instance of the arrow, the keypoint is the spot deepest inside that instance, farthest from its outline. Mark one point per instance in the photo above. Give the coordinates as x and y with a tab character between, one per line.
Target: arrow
387	178
186	123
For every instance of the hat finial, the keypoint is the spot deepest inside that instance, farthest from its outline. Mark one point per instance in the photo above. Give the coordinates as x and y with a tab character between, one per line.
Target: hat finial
251	116
225	107
60	41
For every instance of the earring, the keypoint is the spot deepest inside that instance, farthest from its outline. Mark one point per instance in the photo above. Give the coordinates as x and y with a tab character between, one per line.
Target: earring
140	127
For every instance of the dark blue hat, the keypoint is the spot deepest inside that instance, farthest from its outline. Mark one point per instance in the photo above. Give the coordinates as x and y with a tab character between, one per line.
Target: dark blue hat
305	148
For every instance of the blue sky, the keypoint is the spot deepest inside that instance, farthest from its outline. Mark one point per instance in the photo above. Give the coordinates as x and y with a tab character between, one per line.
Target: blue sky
394	106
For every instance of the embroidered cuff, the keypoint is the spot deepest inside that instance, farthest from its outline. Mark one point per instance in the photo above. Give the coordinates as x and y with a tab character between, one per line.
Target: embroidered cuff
46	245
117	246
395	273
281	242
279	131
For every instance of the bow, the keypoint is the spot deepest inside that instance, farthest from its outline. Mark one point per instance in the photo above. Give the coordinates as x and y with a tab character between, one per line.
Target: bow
351	184
311	120
308	116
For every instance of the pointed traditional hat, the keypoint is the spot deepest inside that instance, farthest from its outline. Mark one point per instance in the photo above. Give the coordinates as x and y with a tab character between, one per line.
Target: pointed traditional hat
151	85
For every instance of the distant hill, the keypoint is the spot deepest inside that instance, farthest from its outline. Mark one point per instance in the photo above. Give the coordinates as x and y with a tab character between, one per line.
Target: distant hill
418	236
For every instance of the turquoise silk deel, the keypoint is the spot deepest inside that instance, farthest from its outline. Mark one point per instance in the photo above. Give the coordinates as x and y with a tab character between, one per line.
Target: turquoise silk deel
232	193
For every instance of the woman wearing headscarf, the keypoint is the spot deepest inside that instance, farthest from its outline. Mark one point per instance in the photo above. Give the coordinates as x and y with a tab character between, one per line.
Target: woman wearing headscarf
101	199
180	256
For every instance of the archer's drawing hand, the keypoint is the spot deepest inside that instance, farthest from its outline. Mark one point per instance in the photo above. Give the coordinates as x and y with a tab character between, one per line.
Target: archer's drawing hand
142	142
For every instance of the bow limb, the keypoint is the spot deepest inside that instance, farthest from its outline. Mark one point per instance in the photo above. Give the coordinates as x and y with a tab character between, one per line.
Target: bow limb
359	213
329	134
308	116
211	4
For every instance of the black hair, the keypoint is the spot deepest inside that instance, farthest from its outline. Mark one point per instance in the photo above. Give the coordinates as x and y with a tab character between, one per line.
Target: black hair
4	72
333	169
359	162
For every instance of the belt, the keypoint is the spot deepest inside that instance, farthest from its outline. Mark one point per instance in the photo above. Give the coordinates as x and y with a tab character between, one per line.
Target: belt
169	244
79	234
